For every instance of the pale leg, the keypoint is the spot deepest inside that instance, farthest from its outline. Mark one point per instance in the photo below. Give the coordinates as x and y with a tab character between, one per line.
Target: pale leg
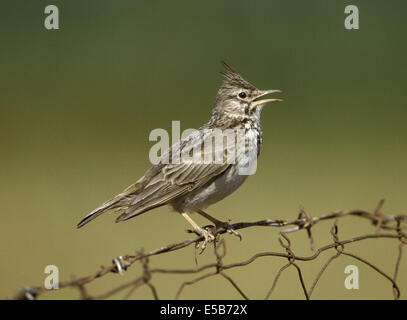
202	232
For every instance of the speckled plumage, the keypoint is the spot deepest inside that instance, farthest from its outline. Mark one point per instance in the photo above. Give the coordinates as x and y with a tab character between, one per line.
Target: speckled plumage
190	185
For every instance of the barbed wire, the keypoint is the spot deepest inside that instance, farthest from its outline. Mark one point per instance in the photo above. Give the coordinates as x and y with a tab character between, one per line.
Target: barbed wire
394	225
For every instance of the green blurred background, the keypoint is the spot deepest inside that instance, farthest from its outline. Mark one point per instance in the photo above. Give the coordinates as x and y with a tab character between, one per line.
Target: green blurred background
77	106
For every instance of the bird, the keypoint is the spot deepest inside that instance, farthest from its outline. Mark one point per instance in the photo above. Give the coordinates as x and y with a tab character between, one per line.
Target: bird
187	183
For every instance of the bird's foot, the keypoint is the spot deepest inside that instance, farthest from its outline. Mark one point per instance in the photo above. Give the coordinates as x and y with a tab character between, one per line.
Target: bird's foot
207	234
211	232
227	227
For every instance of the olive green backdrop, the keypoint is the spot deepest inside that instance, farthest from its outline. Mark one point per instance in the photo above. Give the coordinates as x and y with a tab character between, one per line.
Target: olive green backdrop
77	106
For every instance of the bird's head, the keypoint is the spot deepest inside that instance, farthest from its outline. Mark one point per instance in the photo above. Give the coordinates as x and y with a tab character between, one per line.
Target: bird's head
239	98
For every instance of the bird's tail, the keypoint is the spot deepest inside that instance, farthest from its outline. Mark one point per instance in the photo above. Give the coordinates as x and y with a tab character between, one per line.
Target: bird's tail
98	211
118	202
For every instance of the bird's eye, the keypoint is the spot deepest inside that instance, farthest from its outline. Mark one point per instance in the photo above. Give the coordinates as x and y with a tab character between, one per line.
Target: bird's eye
242	95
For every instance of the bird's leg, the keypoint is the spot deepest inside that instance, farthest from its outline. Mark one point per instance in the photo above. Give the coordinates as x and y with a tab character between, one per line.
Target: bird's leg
219	224
208	237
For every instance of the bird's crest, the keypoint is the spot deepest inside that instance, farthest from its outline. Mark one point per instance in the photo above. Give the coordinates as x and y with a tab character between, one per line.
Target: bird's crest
232	79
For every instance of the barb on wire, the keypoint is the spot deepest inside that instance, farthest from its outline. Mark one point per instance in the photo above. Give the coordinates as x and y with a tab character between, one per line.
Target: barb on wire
386	226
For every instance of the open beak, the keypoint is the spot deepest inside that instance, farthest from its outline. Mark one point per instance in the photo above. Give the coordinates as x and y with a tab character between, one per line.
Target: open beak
262	93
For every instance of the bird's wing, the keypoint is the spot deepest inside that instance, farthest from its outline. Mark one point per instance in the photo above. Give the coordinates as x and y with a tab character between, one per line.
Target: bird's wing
172	176
167	181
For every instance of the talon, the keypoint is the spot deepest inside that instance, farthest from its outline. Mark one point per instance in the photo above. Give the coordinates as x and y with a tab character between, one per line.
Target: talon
226	226
234	232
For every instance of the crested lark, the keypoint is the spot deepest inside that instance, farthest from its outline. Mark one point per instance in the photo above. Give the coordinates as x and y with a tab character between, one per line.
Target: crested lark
190	184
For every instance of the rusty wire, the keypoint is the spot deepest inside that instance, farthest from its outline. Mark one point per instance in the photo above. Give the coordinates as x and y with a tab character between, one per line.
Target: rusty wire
394	225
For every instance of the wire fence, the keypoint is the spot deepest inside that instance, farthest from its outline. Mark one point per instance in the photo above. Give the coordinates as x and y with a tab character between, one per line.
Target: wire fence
386	226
